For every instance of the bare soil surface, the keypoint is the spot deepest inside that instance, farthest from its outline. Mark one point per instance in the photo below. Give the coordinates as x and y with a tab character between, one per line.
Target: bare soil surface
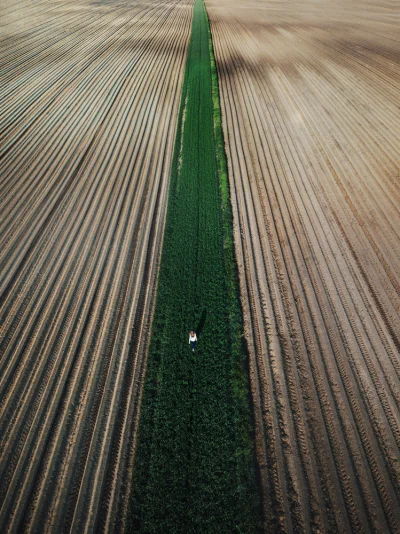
310	101
89	97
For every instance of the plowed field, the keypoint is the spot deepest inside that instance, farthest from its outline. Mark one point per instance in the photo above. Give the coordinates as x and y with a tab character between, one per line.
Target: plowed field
89	96
310	105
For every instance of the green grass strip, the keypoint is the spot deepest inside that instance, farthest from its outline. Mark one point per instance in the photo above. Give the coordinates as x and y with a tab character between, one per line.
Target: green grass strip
195	463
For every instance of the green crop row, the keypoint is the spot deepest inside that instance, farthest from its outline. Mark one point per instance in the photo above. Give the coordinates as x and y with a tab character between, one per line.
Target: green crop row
194	463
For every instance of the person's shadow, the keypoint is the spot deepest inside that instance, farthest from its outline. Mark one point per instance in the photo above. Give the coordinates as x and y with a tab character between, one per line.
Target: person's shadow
202	321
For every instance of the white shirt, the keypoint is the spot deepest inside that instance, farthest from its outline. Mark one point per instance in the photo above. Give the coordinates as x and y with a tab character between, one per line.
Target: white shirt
192	338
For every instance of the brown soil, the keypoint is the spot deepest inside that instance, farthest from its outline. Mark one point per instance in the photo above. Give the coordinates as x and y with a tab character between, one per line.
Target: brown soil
310	101
89	97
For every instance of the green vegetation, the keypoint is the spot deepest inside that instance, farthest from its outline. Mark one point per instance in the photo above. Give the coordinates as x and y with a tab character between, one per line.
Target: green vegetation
195	463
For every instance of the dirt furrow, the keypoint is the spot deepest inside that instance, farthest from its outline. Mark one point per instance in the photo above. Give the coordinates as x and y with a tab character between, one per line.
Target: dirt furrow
317	228
78	286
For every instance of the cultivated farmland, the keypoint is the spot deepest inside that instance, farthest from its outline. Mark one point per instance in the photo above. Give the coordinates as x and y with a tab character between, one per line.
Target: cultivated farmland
310	104
96	111
90	93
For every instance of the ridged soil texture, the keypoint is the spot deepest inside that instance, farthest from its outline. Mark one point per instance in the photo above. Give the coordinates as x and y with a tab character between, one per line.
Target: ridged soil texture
309	99
89	101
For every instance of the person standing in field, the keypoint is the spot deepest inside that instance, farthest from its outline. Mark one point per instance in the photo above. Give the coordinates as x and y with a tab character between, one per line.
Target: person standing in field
192	339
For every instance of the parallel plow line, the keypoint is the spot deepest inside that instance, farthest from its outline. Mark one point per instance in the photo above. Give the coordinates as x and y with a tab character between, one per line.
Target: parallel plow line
84	176
322	323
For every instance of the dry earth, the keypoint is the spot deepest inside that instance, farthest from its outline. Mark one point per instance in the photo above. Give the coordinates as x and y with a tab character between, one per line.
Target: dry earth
310	99
89	94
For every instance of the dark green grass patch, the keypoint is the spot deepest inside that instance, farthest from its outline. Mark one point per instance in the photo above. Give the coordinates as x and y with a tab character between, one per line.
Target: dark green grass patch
194	464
